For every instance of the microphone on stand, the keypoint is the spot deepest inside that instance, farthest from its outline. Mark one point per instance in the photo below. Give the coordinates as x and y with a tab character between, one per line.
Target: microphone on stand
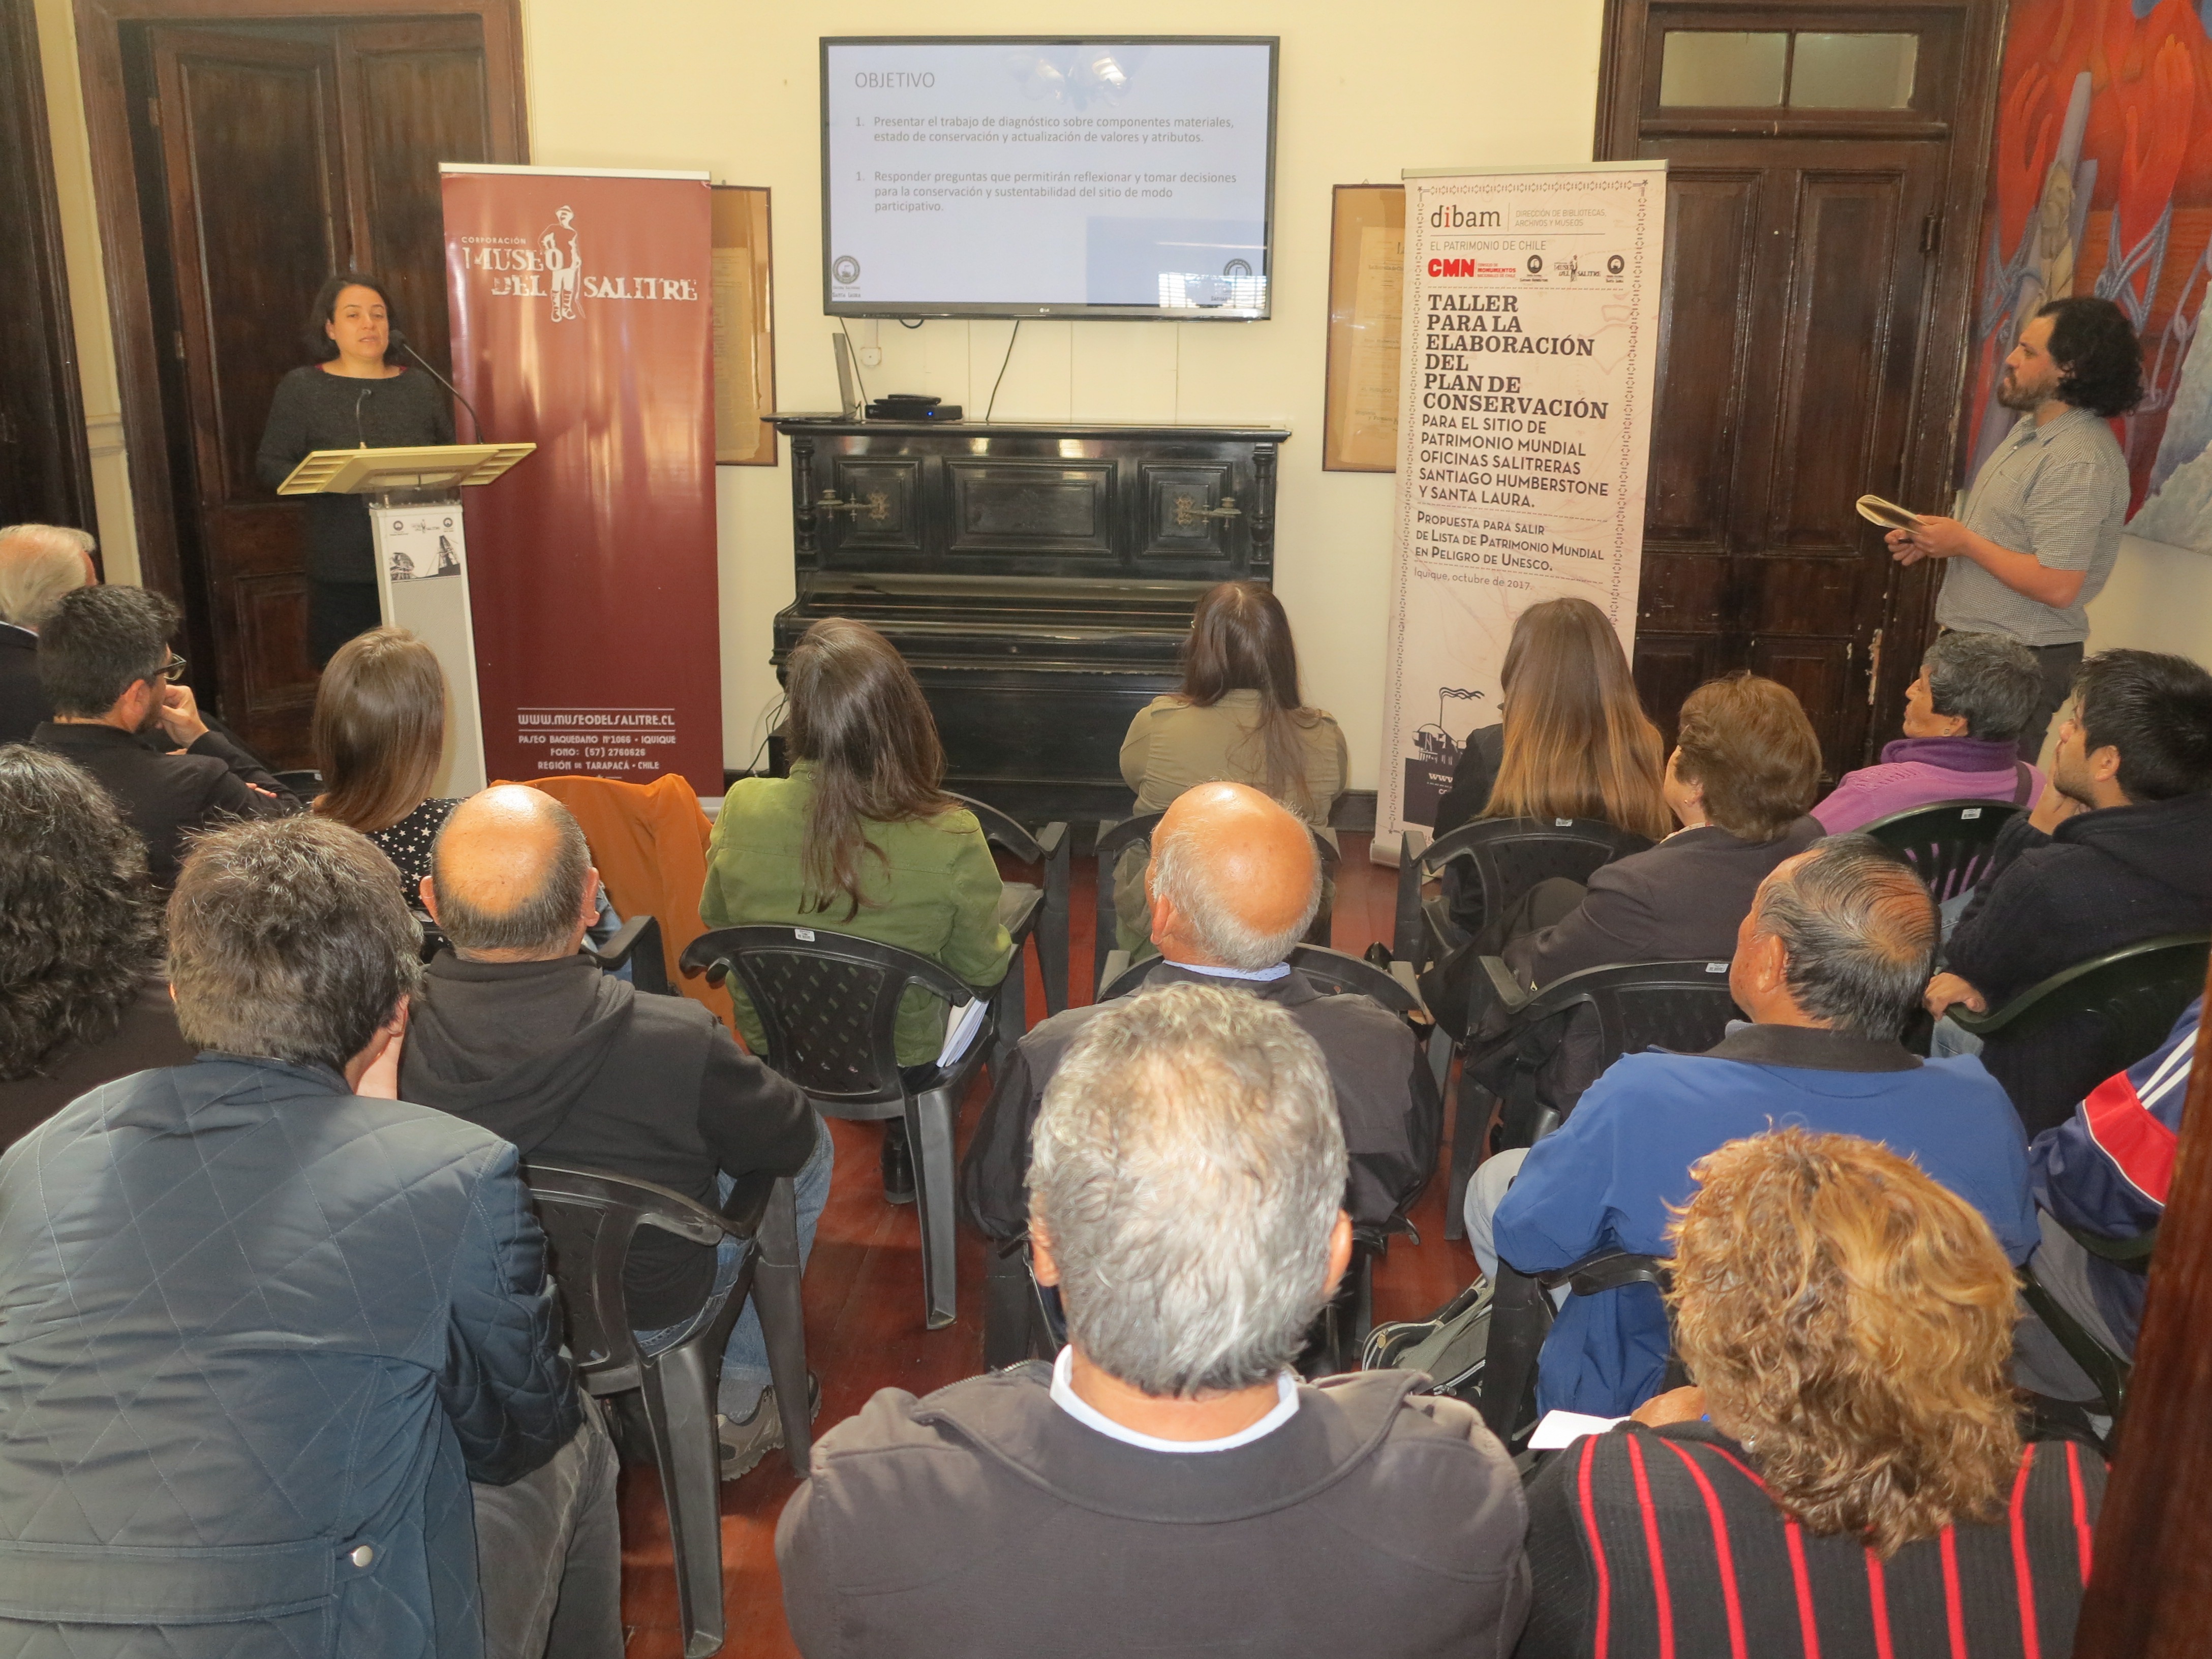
400	340
361	440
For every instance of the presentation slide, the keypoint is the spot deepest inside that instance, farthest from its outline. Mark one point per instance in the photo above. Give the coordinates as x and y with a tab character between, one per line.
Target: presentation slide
1025	178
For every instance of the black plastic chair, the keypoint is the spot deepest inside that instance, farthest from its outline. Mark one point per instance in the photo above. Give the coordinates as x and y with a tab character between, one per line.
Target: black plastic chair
1521	1318
1611	1011
1114	837
637	943
590	1218
1949	843
1503	859
2126	1001
1049	850
2109	1371
828	1004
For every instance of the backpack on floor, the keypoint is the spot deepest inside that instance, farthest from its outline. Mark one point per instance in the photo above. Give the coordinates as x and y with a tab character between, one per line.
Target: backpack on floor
1448	1345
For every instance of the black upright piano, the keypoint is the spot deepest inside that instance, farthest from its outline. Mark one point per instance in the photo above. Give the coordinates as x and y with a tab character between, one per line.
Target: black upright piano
1038	578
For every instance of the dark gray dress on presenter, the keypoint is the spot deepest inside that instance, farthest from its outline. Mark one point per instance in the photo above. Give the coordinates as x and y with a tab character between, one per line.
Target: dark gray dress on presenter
314	409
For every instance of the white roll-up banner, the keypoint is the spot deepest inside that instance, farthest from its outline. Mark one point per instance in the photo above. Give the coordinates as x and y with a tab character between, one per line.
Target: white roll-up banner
1531	334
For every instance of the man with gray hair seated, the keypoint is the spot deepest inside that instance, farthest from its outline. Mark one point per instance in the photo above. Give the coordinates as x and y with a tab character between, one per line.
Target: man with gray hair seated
1830	964
1962	717
39	563
1233	885
1168	1487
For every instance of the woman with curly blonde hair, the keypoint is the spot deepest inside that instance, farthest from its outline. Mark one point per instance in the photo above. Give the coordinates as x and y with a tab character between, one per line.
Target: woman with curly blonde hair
1848	1468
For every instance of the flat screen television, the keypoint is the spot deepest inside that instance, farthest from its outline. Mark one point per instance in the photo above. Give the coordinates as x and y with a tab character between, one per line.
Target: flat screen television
1047	176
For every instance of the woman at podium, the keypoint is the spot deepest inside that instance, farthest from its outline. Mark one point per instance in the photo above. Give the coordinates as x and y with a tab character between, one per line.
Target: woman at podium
350	399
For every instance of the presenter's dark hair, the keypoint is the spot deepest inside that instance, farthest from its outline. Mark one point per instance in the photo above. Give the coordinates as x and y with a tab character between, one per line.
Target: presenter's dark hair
1240	641
320	347
2099	357
289	940
379	728
99	643
80	930
2156	710
858	715
1577	743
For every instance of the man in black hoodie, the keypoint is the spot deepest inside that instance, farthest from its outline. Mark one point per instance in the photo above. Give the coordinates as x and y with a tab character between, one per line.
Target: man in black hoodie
515	1031
2114	853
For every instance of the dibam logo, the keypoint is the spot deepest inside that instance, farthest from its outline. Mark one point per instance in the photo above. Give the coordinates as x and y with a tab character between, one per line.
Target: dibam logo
845	270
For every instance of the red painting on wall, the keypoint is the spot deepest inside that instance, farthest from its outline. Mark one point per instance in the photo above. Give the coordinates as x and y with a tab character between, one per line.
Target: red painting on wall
2101	183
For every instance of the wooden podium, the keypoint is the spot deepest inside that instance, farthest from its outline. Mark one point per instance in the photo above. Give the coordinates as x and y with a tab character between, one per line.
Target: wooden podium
414	501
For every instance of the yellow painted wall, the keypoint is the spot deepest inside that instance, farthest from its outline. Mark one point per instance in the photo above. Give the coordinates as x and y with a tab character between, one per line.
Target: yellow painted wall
95	347
1365	91
2159	598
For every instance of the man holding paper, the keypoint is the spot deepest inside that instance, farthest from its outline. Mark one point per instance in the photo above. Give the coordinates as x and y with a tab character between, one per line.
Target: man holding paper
2041	526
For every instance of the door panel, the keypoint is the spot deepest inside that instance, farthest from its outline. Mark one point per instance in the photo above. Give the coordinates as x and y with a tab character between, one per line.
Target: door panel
1802	332
414	96
289	154
250	146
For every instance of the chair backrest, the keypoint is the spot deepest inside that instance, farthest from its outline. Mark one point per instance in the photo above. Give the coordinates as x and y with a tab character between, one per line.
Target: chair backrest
1332	970
2134	996
1948	842
590	1217
1604	1013
1508	856
827	1003
1002	831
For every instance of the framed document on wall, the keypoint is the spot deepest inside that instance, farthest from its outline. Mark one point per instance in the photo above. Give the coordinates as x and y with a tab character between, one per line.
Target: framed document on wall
1366	278
745	344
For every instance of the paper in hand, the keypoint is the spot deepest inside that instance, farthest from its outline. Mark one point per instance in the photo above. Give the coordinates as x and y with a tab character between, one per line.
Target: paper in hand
1888	514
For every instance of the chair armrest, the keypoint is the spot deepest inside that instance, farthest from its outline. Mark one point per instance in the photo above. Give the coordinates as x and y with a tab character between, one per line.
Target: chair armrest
1018	904
1402	971
748	1202
1608	1270
1510	991
1052	836
648	967
1117	964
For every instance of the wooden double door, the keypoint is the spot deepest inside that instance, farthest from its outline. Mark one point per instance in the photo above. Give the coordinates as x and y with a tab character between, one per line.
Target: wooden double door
1820	227
272	155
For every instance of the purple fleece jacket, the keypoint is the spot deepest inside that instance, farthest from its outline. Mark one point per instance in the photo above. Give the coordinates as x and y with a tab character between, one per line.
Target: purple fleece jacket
1920	771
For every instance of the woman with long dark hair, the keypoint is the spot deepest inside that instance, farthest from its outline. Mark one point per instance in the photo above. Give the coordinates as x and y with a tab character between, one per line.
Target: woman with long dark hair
82	1001
352	396
1238	719
378	731
862	839
1573	741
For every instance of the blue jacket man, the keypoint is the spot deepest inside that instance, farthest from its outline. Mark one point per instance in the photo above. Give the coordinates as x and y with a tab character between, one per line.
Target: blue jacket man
259	1328
1829	963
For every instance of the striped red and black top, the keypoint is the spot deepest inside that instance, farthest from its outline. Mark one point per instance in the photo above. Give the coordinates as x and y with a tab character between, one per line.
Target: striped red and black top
1649	1544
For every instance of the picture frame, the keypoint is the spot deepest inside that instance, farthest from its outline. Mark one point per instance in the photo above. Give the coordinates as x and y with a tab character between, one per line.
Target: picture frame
744	337
1366	277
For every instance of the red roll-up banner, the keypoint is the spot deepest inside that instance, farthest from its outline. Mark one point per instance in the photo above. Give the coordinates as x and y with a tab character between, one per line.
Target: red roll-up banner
579	304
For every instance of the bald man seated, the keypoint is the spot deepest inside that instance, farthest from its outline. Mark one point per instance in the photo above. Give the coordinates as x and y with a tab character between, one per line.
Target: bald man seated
516	1031
1233	886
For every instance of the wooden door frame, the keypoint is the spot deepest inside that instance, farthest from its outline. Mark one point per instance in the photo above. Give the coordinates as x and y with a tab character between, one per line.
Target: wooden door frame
27	115
100	25
1934	425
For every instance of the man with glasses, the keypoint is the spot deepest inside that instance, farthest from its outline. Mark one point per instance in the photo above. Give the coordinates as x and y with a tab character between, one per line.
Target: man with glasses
106	666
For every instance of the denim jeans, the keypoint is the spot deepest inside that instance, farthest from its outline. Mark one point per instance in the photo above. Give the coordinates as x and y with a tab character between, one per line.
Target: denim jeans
745	1361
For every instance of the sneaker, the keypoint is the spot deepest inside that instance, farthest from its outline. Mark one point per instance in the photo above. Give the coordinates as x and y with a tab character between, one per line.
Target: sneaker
751	1438
898	1164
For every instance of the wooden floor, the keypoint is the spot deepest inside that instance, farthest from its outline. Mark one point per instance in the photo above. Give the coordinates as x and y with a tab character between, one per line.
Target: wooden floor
864	1329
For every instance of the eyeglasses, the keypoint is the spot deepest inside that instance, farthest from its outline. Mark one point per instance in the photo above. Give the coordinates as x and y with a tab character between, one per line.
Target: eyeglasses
175	668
